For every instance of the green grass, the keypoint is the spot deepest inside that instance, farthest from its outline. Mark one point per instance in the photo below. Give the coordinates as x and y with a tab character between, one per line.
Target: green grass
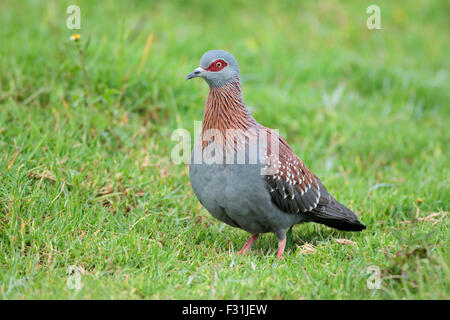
87	181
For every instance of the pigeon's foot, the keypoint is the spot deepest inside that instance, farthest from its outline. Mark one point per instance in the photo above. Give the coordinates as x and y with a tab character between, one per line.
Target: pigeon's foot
281	245
248	245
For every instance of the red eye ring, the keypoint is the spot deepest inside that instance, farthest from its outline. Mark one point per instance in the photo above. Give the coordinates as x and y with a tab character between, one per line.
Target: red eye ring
217	65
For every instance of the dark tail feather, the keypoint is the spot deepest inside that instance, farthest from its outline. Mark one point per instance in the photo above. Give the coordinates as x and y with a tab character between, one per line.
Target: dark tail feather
343	224
334	214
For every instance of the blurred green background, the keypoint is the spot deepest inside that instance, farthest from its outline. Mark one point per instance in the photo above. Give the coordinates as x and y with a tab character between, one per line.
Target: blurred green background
86	178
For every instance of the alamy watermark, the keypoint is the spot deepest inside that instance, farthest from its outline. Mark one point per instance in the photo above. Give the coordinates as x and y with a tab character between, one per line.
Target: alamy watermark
374	20
74	19
230	146
74	277
374	280
227	146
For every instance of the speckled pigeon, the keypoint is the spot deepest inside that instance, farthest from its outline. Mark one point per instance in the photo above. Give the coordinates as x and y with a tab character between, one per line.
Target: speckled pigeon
267	190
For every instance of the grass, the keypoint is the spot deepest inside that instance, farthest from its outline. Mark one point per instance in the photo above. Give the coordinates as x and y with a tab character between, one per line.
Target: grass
86	178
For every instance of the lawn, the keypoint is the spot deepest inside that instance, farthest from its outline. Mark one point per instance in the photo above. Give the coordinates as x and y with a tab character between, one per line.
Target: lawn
86	177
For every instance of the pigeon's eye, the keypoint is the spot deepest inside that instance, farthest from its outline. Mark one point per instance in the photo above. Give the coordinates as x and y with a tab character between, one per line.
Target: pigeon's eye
217	65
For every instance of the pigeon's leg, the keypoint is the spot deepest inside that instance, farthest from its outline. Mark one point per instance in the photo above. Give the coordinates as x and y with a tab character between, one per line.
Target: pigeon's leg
281	245
248	245
281	235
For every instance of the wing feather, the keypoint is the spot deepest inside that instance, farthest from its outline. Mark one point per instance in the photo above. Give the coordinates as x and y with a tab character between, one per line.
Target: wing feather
294	187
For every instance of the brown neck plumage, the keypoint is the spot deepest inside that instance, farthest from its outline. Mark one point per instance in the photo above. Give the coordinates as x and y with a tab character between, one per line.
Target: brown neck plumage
225	109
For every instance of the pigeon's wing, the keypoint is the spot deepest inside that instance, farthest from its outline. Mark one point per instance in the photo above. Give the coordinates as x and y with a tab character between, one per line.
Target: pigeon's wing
293	187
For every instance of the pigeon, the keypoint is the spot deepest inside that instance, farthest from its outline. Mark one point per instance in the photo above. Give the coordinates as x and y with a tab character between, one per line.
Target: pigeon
246	175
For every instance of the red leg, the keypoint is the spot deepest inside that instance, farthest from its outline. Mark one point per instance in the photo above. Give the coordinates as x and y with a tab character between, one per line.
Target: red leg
248	245
281	245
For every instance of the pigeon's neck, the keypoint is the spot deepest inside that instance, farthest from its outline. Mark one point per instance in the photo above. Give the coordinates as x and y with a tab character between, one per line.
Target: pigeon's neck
225	109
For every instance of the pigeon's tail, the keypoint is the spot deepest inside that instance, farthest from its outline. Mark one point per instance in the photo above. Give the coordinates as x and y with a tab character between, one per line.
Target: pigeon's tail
340	224
334	214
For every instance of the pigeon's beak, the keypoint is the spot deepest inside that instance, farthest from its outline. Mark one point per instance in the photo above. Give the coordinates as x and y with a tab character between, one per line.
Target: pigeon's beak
198	72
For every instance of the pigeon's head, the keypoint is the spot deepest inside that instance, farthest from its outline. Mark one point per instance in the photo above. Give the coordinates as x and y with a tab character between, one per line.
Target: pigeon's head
217	67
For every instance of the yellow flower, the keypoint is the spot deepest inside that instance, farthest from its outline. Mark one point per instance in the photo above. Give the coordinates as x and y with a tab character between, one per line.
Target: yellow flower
75	37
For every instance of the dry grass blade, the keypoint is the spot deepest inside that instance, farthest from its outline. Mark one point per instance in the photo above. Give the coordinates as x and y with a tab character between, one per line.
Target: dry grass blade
46	175
148	43
139	220
345	241
307	248
13	159
106	190
435	218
